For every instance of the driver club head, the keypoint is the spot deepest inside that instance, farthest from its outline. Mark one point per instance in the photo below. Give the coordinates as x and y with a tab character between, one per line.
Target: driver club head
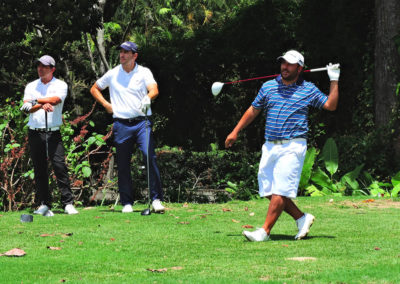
216	88
146	212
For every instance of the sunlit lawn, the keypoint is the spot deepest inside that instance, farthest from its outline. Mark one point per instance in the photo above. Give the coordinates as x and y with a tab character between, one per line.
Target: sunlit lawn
352	241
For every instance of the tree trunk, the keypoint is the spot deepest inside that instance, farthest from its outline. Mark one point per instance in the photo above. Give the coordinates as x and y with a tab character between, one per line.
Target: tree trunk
387	59
99	42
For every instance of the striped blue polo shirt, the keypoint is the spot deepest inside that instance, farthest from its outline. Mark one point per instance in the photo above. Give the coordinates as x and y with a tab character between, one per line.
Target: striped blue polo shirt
286	107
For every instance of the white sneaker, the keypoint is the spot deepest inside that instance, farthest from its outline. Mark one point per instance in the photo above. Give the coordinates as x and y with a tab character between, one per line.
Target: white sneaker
127	208
70	209
258	235
157	206
304	224
42	210
49	213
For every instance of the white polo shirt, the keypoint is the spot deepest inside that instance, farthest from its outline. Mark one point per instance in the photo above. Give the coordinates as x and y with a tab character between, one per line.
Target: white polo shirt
38	90
127	89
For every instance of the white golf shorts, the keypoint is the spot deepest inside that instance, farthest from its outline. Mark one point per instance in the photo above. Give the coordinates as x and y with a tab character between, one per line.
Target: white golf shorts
280	168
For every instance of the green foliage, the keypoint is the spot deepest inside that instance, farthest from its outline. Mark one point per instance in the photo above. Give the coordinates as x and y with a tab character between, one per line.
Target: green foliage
382	189
330	156
316	182
186	174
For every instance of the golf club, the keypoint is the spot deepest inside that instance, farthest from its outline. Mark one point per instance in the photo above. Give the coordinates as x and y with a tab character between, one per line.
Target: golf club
147	211
45	131
217	86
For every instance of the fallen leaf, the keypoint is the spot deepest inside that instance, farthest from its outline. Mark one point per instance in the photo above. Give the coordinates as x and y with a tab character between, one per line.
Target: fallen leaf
14	252
190	210
246	209
377	248
235	221
247	226
47	235
185	205
285	246
203	216
226	209
54	248
63	280
177	268
98	217
251	214
112	239
368	200
301	258
183	223
355	206
67	234
19	233
127	221
265	278
61	241
160	270
80	243
88	208
1	215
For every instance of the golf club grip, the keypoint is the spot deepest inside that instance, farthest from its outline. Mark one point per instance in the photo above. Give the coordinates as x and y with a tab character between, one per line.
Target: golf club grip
337	65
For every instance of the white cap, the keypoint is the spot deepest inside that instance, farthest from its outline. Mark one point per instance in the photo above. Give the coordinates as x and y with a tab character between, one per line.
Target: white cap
47	60
293	56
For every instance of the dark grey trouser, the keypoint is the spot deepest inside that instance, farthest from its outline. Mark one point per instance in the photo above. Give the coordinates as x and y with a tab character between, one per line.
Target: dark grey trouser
37	144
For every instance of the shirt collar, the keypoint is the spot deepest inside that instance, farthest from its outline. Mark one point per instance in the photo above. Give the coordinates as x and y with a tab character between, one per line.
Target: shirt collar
40	81
132	71
299	81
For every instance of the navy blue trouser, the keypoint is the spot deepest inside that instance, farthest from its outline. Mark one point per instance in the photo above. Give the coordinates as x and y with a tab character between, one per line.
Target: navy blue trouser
37	144
126	134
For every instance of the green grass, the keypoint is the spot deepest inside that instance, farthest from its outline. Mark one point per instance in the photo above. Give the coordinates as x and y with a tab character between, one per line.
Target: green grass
351	241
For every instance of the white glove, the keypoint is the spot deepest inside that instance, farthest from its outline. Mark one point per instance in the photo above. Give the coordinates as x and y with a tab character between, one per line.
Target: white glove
333	71
145	104
26	107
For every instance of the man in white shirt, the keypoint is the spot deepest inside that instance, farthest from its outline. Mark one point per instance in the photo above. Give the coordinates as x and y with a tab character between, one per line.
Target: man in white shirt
44	100
132	87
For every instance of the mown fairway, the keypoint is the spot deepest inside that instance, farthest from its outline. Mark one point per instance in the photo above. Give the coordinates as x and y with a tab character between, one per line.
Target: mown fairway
352	241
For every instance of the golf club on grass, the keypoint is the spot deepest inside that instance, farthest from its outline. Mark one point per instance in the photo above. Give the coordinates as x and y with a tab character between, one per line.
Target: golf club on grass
147	211
217	86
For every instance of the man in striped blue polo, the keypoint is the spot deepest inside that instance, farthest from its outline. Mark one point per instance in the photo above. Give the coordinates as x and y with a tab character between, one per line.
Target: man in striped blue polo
285	102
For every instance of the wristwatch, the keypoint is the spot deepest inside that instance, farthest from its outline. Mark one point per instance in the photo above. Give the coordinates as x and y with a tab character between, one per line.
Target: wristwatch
33	102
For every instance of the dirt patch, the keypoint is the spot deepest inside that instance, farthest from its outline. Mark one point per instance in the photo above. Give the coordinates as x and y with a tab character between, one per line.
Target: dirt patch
371	203
301	258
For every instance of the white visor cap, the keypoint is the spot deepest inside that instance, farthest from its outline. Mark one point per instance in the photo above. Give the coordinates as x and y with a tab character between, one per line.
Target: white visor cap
293	57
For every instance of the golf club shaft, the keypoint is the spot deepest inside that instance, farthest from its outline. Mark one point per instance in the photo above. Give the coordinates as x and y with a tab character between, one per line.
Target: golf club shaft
147	150
46	136
276	75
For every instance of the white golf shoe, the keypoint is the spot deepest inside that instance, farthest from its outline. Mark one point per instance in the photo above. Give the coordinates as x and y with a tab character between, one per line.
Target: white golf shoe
42	210
49	213
127	208
157	206
258	235
304	224
70	209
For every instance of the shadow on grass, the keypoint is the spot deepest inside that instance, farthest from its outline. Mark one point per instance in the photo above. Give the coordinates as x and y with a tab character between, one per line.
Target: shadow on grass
291	237
283	237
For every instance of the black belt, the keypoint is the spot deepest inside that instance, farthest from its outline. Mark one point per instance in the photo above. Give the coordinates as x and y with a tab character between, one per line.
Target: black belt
130	120
49	129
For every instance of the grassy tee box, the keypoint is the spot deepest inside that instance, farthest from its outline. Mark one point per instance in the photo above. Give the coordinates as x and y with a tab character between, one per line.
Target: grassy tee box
353	240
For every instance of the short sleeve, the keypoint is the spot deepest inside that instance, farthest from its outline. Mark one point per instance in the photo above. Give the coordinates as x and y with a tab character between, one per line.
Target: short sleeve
260	100
148	77
62	90
318	99
105	80
27	93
